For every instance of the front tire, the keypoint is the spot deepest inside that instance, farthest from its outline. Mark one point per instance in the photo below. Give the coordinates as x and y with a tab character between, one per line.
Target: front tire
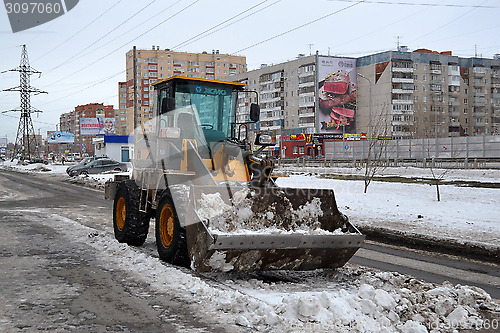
129	224
170	236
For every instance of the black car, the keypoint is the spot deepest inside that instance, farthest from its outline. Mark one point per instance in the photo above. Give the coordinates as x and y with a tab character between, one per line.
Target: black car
38	160
83	162
97	166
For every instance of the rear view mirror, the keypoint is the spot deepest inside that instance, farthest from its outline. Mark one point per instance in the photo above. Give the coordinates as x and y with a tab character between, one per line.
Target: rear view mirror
254	112
264	140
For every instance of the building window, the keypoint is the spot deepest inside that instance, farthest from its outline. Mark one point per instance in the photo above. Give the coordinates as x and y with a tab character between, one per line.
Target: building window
301	150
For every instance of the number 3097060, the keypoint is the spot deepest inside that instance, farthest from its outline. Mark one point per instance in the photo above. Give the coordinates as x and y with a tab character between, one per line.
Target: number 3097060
33	7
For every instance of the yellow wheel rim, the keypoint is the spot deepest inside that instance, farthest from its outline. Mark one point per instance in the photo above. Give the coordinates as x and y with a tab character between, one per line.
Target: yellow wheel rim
166	225
121	213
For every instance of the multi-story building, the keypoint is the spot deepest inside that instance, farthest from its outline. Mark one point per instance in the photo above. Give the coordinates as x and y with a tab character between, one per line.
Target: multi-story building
426	93
298	98
81	121
145	67
121	116
286	95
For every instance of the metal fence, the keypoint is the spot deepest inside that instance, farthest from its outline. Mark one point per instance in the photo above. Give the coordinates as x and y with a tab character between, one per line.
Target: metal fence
453	147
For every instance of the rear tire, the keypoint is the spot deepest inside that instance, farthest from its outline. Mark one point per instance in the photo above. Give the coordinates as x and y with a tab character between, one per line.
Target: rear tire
129	224
170	236
84	173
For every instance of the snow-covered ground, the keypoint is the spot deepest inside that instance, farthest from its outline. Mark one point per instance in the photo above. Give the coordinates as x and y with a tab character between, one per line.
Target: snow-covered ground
350	299
480	175
464	214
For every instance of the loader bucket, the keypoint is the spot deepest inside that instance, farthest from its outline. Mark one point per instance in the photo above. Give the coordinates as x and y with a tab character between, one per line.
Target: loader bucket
234	228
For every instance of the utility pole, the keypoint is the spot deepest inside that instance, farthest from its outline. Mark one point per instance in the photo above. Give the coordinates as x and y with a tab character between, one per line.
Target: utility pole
26	140
134	62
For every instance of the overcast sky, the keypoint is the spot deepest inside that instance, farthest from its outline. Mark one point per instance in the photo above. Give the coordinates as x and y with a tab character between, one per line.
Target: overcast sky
82	54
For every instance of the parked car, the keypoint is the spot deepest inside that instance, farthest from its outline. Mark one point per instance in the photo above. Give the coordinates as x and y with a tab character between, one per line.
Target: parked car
38	160
98	166
83	162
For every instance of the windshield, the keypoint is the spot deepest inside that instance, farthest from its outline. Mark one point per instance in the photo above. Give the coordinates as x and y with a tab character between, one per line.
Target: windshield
214	104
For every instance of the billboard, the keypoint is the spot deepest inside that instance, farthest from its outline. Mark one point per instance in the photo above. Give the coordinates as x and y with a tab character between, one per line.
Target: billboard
97	126
337	95
60	137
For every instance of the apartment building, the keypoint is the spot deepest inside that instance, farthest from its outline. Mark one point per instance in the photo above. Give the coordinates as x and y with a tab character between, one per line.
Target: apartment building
426	93
300	98
87	122
145	67
122	121
287	94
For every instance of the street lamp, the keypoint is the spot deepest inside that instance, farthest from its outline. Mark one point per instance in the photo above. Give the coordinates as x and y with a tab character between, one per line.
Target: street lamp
370	105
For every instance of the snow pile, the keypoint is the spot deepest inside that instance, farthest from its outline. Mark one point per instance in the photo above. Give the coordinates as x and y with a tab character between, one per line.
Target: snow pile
248	212
350	299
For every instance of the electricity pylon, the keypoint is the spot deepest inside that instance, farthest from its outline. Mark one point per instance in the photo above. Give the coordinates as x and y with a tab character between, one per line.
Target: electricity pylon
26	142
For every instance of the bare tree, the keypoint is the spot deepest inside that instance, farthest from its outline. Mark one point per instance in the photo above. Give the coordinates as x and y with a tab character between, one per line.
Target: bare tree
376	147
438	175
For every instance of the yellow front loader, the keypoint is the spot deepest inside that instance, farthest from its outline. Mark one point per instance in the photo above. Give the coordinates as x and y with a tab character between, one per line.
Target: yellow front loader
211	194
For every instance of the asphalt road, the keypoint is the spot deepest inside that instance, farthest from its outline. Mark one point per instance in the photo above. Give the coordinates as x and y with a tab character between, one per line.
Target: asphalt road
50	283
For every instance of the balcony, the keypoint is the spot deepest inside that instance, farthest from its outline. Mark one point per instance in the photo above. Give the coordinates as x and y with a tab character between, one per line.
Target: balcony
308	114
306	104
402	134
306	84
402	80
402	101
402	91
454	103
402	69
479	71
435	71
455	114
495	85
478	114
306	125
480	101
402	122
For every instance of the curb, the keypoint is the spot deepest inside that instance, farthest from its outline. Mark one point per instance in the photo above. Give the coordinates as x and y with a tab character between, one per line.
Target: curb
446	246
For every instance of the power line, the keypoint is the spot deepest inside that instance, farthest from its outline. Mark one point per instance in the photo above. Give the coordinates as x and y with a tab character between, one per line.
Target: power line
420	4
351	39
230	24
448	23
76	33
189	42
80	54
117	49
300	26
215	26
82	89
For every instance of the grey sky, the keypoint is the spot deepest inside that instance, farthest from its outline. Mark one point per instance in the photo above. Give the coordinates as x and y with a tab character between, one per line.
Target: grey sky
82	54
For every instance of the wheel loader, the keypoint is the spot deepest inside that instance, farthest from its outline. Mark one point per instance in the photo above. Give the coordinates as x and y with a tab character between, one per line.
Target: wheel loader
212	194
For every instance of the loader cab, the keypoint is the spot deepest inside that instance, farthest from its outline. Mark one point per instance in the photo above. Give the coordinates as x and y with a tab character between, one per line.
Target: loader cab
203	110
